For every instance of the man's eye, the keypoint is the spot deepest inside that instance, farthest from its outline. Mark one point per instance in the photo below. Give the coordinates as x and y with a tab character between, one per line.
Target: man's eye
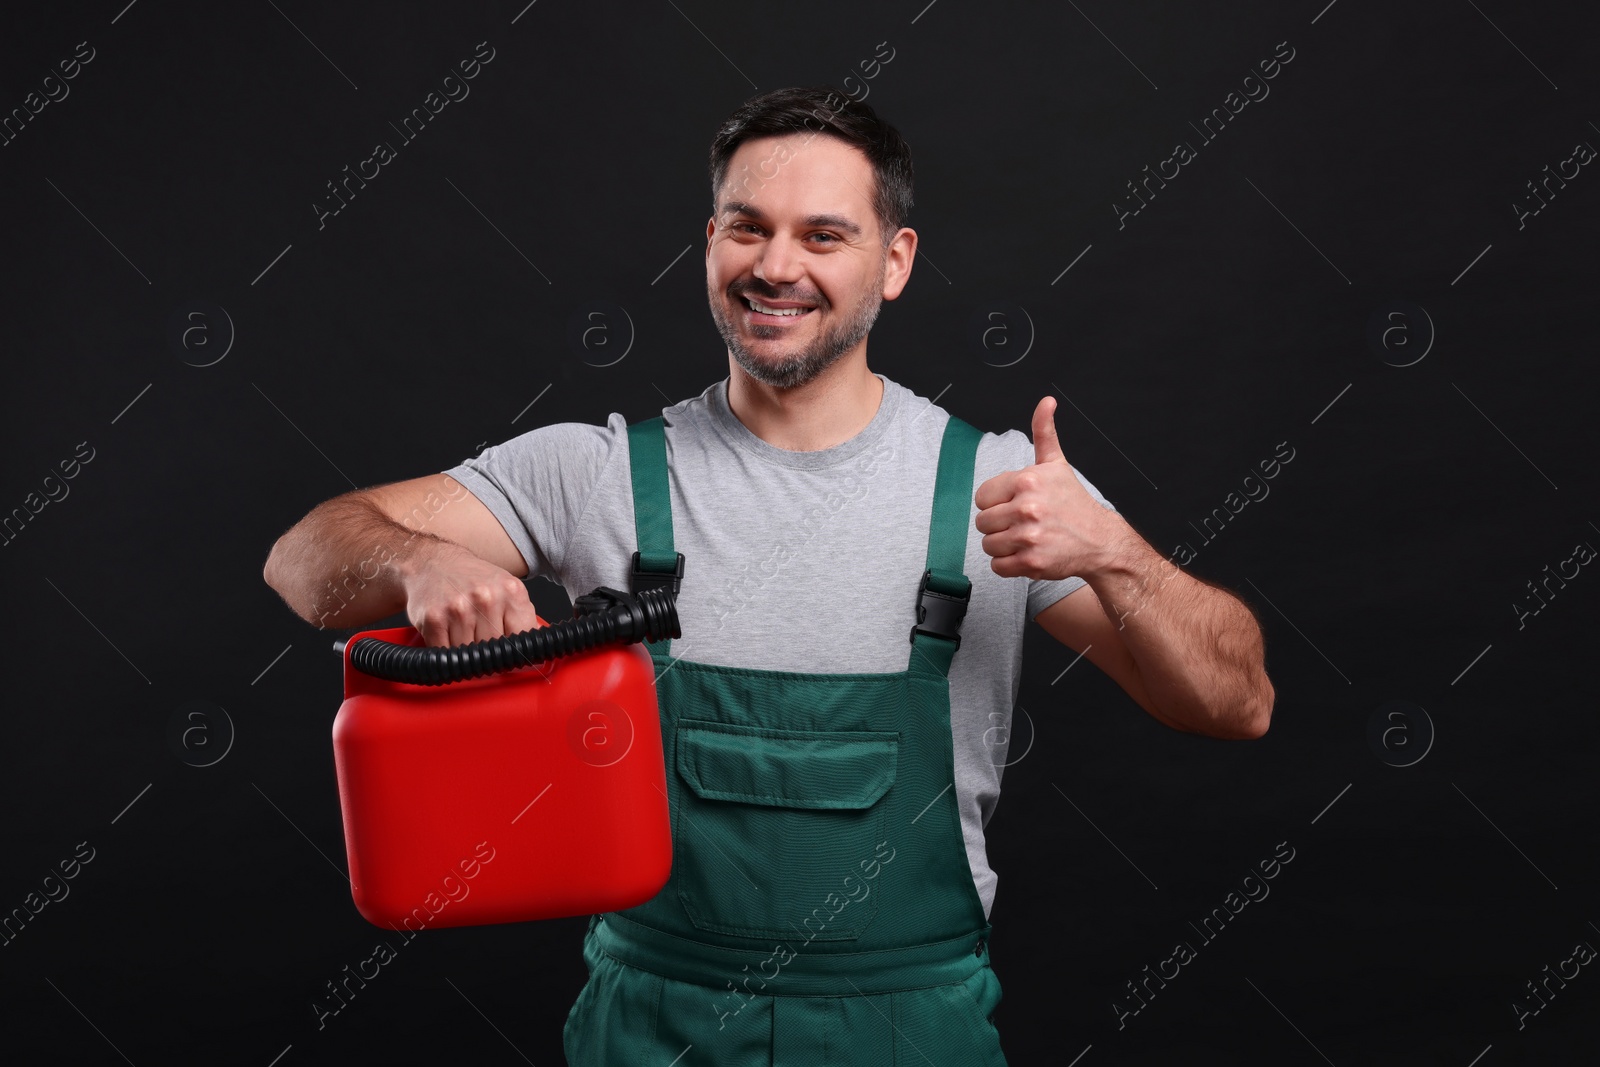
831	239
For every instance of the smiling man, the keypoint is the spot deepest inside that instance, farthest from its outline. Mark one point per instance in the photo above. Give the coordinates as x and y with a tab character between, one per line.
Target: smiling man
855	568
764	316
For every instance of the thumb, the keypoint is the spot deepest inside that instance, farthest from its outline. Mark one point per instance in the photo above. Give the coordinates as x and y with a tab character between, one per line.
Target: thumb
1046	446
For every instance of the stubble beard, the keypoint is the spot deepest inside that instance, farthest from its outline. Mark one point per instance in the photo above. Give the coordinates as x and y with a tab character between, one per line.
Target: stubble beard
797	367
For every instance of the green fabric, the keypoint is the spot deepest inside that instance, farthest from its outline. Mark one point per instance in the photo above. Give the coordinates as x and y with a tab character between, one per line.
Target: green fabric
945	1025
952	504
809	769
821	910
802	973
652	508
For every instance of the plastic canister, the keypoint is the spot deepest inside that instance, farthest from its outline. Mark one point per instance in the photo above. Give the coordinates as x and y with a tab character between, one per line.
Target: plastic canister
535	793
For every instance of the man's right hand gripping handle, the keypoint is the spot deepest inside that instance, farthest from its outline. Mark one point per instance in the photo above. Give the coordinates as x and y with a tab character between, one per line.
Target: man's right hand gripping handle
425	546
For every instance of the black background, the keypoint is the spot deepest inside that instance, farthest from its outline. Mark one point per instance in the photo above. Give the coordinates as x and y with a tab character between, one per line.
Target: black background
421	321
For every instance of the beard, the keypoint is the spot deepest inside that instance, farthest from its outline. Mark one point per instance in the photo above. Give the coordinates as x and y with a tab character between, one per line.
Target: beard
800	365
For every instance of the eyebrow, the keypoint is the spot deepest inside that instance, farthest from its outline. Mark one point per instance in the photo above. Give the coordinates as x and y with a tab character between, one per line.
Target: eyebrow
835	222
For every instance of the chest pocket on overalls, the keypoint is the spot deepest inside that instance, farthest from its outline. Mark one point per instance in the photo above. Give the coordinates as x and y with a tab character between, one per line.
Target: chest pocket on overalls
777	828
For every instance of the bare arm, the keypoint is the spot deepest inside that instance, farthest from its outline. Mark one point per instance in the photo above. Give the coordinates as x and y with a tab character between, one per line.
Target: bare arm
1188	652
426	546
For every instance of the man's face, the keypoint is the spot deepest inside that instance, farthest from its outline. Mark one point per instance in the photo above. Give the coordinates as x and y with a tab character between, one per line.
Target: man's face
796	233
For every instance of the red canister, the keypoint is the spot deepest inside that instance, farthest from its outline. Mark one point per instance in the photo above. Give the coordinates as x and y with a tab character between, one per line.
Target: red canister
532	794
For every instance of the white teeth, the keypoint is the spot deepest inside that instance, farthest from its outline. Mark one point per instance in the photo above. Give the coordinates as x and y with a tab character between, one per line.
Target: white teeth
775	311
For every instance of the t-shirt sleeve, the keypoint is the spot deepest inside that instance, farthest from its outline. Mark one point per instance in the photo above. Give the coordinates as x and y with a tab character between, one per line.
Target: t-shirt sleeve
538	485
1019	453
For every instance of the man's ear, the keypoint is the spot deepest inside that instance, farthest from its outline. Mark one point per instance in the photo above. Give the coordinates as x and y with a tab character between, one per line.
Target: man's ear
901	254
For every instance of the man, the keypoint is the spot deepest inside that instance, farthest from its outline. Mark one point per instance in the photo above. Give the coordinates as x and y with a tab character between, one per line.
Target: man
851	625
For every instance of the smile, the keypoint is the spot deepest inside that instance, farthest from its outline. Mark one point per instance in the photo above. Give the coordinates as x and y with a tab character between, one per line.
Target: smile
762	311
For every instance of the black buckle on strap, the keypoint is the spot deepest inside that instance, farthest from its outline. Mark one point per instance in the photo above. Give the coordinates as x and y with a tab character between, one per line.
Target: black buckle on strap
642	580
939	614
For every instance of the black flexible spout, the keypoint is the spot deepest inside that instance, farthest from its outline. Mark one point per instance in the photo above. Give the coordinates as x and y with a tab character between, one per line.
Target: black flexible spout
605	616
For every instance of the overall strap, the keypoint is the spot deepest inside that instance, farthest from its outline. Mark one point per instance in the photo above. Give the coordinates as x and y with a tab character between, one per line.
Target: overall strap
655	563
945	589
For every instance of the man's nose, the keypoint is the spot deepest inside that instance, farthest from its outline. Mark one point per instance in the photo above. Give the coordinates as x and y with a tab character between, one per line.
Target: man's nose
779	263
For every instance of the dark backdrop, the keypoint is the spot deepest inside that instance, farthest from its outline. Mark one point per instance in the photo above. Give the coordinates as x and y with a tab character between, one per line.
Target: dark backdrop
1342	269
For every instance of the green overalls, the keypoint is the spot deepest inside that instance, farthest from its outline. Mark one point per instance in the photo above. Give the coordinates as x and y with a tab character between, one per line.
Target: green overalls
821	911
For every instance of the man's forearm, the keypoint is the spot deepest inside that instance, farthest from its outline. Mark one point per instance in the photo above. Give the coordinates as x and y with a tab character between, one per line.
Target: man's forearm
1198	648
342	565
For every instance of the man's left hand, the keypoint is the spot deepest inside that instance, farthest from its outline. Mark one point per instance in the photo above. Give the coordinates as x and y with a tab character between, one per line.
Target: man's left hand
1040	522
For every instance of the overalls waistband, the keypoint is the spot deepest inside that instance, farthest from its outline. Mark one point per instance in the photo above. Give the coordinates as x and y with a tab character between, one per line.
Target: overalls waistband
793	971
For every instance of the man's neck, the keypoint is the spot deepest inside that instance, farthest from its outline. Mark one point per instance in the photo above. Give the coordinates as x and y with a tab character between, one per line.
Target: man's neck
827	411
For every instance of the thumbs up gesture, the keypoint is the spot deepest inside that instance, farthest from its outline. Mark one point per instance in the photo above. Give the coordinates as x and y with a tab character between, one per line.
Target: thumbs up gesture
1040	522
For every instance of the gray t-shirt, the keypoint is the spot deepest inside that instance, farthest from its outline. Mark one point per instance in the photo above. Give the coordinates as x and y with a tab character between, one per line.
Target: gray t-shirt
794	561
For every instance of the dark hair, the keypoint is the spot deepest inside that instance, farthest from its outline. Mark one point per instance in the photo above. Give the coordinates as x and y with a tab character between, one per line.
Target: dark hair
822	109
